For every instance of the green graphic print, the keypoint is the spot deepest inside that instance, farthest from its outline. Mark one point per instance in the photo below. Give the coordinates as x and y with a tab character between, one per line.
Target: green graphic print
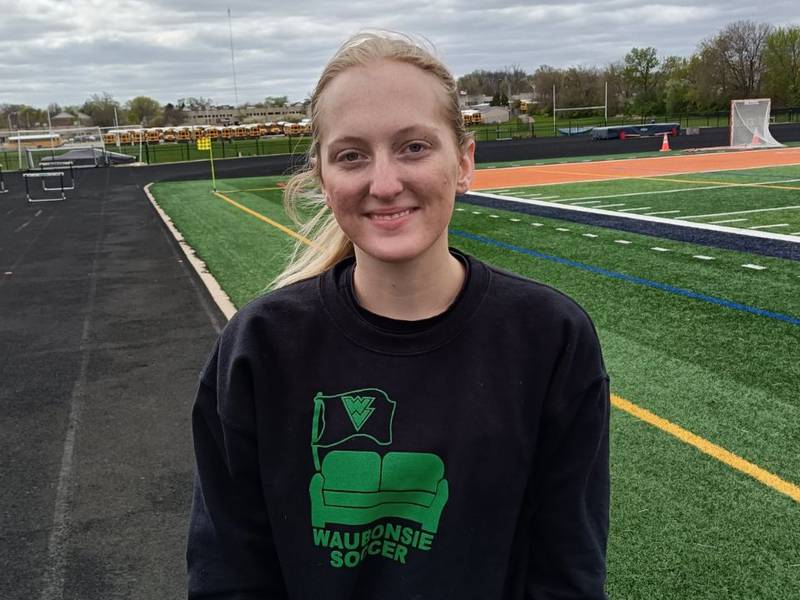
356	488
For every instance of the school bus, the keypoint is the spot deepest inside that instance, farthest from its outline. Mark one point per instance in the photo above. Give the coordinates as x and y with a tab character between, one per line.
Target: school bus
152	135
293	129
137	136
227	133
472	117
125	137
262	129
183	134
274	128
213	132
35	140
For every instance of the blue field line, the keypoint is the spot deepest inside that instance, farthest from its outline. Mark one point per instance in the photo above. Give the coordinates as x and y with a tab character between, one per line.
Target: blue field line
637	280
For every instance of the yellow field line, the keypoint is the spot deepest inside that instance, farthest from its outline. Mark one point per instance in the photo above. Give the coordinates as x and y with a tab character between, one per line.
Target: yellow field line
709	448
267	189
722	183
718	452
267	220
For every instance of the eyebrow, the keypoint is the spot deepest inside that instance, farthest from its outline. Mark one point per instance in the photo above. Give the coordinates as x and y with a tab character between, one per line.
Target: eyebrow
351	139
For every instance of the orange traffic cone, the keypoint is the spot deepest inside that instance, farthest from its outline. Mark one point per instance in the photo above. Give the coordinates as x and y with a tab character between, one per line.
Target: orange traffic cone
756	138
665	143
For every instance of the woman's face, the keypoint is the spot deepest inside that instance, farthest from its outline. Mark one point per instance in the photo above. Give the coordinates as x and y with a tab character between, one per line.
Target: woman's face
389	161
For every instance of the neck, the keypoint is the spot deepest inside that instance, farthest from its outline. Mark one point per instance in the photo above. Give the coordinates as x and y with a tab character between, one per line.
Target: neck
409	291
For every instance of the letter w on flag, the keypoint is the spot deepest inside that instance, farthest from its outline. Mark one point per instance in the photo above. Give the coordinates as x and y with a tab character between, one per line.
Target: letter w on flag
367	412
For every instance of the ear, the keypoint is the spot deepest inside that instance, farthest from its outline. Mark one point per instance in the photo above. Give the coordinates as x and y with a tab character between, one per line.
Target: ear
466	166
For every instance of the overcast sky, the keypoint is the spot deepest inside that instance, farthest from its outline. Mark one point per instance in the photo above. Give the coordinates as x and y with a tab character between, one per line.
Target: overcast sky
65	50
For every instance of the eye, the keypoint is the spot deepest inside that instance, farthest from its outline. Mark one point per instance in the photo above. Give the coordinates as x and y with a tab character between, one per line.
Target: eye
416	147
349	156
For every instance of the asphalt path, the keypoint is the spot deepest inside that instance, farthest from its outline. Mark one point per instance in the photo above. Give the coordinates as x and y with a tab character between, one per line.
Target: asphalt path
103	330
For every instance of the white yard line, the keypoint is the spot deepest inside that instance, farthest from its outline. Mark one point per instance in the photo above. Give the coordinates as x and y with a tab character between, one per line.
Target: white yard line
588	202
610	205
662	212
622	242
635	209
589	235
768	226
741	212
659	249
754	267
703	257
727	221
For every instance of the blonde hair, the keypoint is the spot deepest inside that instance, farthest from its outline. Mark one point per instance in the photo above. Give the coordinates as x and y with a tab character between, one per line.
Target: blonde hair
326	243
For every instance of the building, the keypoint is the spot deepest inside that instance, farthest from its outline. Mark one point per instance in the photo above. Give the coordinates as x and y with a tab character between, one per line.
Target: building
470	100
493	114
226	115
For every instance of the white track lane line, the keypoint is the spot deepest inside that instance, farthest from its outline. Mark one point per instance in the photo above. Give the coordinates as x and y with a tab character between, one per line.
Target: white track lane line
769	226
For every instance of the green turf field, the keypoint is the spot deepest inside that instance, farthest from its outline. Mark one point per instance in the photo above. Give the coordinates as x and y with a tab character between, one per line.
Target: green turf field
765	199
688	333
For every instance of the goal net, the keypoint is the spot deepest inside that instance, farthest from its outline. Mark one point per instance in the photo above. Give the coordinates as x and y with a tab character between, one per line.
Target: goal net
83	146
749	124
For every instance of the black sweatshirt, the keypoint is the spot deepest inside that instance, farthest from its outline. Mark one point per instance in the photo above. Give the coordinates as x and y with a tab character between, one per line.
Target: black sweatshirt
342	455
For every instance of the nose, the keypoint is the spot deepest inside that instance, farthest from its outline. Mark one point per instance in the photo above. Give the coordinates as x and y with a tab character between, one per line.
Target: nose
385	182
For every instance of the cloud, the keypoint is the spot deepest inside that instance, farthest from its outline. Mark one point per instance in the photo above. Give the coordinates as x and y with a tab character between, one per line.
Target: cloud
66	51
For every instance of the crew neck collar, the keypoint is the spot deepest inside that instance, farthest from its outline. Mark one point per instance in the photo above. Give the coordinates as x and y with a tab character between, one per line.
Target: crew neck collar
339	302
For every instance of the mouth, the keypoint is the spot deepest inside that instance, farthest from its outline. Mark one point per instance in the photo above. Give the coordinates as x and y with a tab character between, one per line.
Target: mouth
391	215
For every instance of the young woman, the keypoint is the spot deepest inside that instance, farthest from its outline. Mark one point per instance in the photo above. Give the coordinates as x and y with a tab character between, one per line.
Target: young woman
397	419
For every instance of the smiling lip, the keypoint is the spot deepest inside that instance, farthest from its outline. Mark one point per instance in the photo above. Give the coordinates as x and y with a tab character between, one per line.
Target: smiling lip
390	215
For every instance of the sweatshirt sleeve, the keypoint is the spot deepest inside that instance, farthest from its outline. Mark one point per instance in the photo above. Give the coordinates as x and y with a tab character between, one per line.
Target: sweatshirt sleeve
571	476
230	551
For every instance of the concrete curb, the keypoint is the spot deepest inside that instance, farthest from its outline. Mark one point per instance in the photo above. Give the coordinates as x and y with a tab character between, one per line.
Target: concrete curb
221	299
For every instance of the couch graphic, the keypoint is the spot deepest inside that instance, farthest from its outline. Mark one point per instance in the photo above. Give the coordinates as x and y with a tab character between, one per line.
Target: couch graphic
359	487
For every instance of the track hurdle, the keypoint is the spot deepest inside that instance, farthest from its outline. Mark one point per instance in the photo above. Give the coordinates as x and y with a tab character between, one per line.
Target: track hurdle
3	188
57	165
28	176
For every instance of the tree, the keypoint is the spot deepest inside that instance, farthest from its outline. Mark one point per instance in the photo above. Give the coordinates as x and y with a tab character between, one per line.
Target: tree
277	101
674	84
782	66
544	78
100	107
174	115
193	103
741	45
142	110
640	72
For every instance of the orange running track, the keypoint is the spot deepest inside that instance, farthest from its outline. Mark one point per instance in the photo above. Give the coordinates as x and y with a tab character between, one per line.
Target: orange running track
485	179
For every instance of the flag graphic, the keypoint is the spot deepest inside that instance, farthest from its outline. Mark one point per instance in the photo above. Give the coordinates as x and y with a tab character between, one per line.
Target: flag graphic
366	412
